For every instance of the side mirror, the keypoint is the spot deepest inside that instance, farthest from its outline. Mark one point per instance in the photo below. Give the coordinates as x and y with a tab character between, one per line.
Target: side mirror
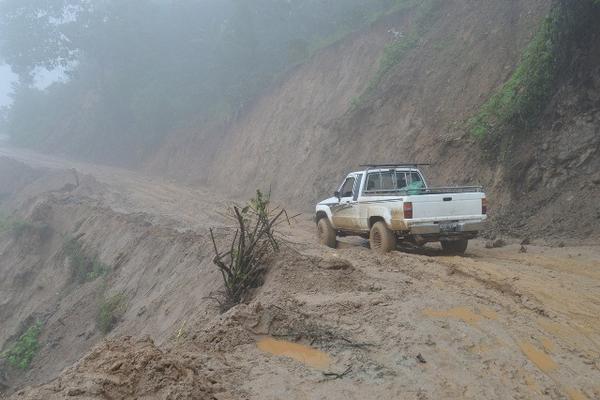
337	194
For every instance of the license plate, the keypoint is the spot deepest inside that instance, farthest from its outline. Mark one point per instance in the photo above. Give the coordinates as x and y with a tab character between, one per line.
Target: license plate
449	227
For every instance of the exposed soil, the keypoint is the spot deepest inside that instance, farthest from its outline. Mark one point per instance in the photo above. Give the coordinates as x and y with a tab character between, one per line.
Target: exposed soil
512	320
304	134
518	321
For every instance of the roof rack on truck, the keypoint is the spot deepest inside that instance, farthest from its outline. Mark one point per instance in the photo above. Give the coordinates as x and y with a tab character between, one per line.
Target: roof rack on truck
390	165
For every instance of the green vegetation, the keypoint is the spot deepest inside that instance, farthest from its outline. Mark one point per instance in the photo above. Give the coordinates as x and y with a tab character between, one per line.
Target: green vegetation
525	95
358	19
15	225
22	352
395	51
84	267
519	103
242	264
110	310
4	223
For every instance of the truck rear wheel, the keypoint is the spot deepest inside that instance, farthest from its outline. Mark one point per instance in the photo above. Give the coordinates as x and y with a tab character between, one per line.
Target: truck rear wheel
326	233
382	239
455	246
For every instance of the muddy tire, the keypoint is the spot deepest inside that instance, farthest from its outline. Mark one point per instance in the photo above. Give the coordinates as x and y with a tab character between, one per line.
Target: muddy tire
381	239
326	233
455	246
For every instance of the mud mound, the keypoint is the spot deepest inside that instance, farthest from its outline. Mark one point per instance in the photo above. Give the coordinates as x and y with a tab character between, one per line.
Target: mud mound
129	368
163	274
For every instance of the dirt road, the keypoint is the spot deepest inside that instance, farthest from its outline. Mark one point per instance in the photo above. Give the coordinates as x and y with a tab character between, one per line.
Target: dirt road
506	323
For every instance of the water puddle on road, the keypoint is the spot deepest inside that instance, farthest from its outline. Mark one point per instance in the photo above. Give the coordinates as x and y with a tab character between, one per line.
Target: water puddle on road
304	354
575	394
547	344
542	360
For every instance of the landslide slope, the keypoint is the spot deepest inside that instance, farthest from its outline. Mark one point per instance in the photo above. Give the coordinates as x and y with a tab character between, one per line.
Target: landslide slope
402	90
70	246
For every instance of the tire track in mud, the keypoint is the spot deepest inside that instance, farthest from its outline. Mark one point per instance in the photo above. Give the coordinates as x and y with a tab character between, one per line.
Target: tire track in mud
529	308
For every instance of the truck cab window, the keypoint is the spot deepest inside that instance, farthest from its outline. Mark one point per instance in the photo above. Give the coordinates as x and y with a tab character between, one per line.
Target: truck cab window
416	180
377	181
347	188
401	180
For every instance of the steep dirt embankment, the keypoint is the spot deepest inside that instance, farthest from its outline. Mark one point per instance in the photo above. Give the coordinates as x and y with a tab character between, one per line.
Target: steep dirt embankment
306	132
157	275
298	138
553	171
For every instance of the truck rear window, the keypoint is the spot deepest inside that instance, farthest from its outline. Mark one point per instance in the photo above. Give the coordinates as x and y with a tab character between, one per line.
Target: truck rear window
392	181
378	181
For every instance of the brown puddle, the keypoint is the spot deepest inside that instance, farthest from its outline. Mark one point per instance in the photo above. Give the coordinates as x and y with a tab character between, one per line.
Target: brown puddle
575	394
304	354
548	345
538	357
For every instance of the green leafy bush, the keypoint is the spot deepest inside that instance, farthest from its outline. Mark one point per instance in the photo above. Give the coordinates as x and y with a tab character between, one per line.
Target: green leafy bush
520	102
524	96
84	267
110	311
22	352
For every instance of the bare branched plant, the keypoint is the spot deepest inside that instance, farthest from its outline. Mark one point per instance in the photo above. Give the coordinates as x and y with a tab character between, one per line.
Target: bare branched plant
252	241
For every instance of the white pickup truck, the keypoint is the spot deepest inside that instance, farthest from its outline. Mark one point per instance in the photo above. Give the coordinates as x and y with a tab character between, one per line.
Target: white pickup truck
392	202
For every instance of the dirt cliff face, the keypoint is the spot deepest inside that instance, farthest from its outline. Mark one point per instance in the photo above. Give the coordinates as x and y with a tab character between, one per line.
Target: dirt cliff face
303	135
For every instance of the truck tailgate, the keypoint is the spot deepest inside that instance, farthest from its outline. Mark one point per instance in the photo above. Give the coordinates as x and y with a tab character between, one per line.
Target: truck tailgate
446	205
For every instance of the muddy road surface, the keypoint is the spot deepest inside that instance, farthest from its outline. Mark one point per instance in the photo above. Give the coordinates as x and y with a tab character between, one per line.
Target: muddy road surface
516	322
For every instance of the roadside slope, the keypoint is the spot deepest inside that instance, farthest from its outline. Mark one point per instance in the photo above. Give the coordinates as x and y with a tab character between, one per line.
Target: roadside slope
306	132
445	59
72	249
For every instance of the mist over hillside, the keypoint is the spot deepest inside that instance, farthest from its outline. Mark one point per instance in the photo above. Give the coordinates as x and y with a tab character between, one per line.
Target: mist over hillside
138	70
167	225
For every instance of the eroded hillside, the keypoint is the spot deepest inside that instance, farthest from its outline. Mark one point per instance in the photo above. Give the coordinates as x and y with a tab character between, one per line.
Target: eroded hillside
443	60
107	285
73	247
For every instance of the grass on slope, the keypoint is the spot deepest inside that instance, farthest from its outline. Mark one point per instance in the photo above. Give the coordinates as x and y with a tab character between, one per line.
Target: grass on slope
520	100
395	51
21	354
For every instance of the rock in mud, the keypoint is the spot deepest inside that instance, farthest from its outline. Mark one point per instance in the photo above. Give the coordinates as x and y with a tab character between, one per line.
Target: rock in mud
494	244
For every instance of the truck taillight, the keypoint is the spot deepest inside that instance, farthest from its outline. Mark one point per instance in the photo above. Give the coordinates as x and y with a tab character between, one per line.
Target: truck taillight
408	210
484	206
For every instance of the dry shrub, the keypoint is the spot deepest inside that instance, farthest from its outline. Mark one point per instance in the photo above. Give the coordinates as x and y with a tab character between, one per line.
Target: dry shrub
252	240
